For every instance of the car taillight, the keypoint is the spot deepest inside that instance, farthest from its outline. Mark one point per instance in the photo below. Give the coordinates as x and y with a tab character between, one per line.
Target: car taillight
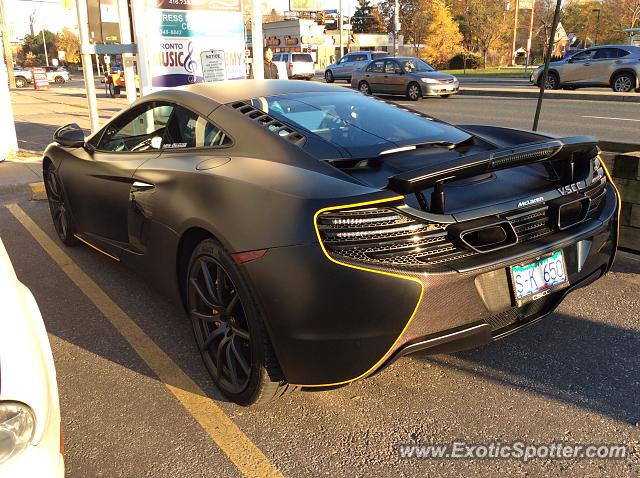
290	65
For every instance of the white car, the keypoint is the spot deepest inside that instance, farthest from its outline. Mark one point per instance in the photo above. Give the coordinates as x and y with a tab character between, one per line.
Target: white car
30	430
297	65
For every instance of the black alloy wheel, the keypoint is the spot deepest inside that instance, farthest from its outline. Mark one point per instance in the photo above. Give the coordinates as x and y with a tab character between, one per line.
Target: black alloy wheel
62	220
229	332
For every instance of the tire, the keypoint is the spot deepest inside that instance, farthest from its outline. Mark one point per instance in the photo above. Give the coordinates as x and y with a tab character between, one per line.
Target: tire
445	96
553	81
117	90
623	83
570	88
364	88
62	220
59	80
110	90
229	329
414	93
21	82
328	76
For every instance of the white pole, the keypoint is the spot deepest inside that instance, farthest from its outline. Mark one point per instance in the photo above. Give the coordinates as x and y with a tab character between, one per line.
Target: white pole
340	26
127	58
87	64
144	73
396	22
8	139
44	44
256	40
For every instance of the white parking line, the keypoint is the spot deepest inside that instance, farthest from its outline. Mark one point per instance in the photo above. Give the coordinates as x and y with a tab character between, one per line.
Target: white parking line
609	118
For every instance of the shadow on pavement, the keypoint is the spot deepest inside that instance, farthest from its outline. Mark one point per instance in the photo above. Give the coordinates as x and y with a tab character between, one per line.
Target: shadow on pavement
588	364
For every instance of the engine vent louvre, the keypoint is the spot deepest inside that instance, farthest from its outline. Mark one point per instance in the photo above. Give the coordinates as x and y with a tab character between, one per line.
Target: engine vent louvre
270	123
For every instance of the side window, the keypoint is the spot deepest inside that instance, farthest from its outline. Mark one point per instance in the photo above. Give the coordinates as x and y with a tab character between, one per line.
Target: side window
276	57
376	67
390	66
346	59
187	129
361	57
141	130
584	55
621	53
605	54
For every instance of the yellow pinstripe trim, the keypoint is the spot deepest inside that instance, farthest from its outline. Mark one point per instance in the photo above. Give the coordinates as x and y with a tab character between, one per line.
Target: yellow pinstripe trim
615	188
351	266
95	247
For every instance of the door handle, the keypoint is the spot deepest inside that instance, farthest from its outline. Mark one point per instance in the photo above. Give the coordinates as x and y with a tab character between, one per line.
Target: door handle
386	76
618	62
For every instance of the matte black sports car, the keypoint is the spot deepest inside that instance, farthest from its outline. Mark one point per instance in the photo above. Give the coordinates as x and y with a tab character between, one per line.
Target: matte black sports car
314	235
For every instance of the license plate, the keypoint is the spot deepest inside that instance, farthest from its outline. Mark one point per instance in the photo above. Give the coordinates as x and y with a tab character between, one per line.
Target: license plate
534	280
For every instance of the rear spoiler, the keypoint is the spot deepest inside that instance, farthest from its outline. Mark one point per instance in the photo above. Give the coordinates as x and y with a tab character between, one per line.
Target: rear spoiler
561	153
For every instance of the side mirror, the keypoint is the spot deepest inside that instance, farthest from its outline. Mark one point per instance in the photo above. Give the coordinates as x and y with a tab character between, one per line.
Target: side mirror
570	60
70	136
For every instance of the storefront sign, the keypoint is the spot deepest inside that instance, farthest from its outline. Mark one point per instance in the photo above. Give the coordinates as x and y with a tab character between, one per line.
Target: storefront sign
272	41
290	41
40	80
178	36
213	66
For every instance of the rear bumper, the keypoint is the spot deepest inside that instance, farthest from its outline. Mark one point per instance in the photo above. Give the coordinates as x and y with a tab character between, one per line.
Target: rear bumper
333	323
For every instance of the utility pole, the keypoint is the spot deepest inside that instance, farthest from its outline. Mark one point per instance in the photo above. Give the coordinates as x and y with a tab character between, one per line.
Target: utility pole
512	56
87	64
127	58
257	44
8	140
5	45
396	26
340	26
44	44
547	60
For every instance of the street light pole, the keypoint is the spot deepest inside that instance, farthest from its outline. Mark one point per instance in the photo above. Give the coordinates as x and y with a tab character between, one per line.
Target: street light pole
340	26
5	45
87	64
595	42
547	60
44	44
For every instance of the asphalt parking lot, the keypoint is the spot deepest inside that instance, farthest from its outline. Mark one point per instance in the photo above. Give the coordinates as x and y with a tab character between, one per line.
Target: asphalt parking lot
574	377
137	401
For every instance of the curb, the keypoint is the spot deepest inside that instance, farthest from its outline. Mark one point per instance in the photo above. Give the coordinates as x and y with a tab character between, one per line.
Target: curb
548	95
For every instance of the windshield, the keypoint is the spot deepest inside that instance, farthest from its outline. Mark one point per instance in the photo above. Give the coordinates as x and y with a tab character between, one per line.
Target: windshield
411	65
362	125
302	57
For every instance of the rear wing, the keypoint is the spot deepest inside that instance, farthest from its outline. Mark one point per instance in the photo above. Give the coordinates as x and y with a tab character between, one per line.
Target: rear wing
564	157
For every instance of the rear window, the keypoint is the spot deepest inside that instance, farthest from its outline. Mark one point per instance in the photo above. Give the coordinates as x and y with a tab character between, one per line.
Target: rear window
302	57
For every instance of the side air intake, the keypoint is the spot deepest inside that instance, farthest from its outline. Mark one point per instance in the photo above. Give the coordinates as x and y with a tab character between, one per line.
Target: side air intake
269	122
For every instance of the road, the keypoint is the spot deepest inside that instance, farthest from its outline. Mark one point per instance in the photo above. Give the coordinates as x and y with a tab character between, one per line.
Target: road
574	377
611	121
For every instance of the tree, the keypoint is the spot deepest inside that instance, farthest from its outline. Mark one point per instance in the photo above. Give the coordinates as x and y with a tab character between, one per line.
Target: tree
69	42
414	18
33	44
483	23
366	19
443	38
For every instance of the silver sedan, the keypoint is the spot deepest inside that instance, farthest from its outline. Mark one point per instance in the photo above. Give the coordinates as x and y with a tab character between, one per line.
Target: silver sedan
407	76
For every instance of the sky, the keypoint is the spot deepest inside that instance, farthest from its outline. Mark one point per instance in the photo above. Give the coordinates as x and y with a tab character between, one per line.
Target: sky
49	14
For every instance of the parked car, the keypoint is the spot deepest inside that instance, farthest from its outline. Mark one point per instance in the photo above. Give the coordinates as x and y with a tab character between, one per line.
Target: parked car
57	74
30	436
613	66
343	68
297	65
407	76
23	77
314	235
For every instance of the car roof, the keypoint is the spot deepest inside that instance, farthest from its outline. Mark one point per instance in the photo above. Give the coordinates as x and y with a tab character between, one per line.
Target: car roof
237	90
